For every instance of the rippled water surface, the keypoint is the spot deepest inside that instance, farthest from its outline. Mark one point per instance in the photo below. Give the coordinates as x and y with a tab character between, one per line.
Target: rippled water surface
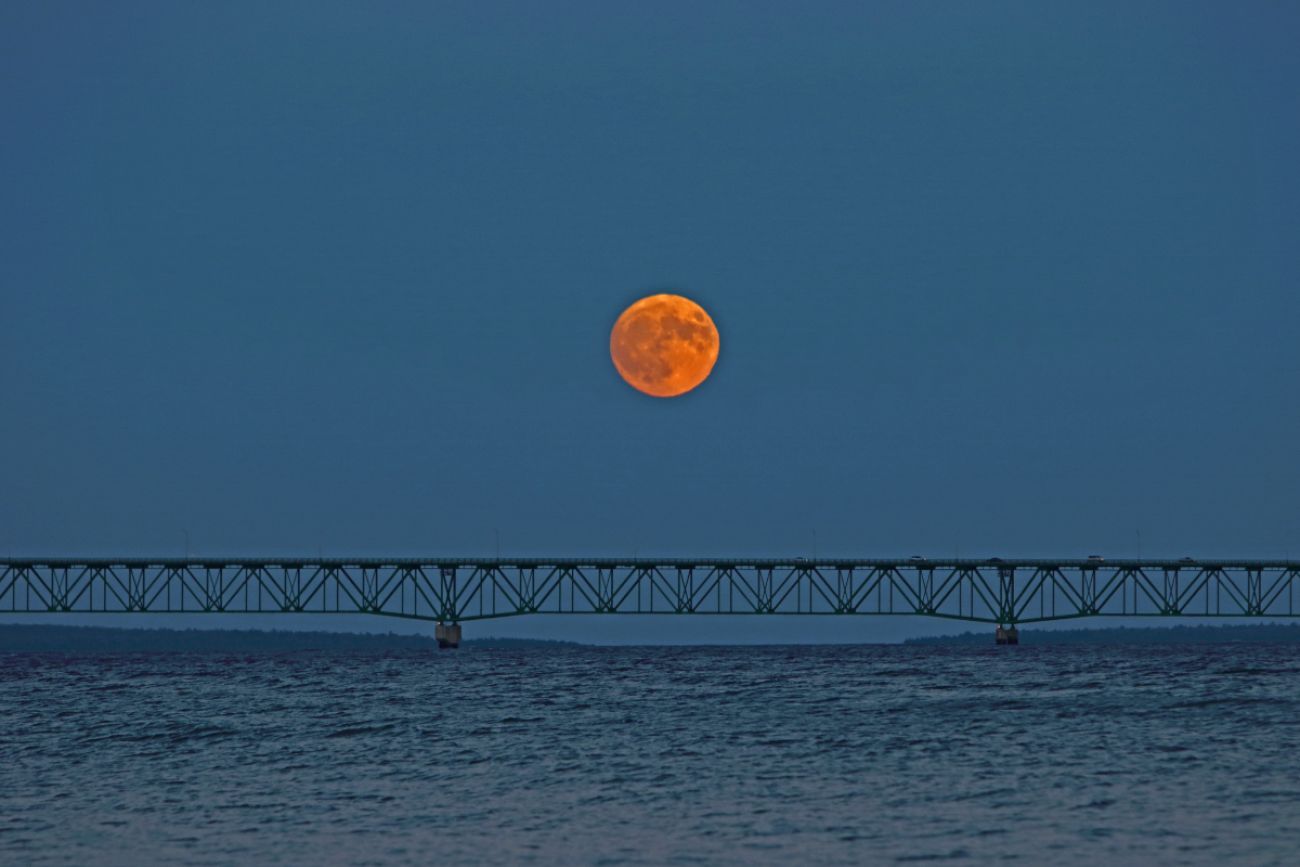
1117	755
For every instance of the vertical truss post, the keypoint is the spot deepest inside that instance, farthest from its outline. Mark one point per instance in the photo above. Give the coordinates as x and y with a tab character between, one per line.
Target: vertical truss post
291	587
604	590
59	589
1254	592
764	592
844	589
447	594
685	590
925	592
1088	590
214	584
527	589
1007	595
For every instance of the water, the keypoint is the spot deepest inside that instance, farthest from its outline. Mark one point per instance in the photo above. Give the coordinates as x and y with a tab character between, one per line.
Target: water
1117	755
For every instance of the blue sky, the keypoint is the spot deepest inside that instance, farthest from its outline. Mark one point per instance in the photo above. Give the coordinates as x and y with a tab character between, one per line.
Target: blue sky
1004	279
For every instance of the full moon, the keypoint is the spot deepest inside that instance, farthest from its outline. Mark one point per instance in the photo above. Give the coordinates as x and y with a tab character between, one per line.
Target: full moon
664	345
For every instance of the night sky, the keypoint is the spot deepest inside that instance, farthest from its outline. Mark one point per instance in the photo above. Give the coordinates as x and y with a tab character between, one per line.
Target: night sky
1006	279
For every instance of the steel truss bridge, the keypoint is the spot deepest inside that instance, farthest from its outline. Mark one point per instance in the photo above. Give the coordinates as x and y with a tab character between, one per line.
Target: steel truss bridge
1003	592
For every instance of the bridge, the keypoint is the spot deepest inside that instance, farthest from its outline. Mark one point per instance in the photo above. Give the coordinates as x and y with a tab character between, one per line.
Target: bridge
450	591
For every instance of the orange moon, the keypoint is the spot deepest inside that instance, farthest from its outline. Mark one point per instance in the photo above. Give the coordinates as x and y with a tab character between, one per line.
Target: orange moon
664	345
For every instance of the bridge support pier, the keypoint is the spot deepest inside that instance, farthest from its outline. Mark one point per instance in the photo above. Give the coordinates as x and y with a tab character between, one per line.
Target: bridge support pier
1007	635
448	635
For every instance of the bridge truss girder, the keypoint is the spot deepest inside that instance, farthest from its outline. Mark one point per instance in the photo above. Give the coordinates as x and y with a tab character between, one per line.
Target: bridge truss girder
983	591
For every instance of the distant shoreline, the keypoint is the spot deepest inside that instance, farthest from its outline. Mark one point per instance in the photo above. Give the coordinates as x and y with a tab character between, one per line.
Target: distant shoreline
55	638
1203	634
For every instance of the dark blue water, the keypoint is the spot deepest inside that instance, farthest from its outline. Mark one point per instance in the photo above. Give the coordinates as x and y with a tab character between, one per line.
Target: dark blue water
1121	755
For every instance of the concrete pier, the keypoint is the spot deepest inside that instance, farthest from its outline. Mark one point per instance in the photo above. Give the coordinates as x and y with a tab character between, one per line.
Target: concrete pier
448	635
1007	635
